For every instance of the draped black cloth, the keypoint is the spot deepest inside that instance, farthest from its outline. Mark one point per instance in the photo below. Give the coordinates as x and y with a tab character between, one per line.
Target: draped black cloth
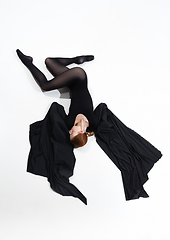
51	154
132	154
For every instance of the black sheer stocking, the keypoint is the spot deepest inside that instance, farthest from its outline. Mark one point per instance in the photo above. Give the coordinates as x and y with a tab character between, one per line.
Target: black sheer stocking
57	66
77	60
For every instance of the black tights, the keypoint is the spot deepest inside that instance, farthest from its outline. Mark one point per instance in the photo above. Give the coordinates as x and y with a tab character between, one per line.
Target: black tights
63	76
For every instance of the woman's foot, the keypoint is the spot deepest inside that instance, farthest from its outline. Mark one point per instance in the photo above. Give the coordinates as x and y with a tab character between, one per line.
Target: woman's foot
26	60
83	58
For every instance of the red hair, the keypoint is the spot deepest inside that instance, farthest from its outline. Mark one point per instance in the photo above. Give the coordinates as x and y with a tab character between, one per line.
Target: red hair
81	139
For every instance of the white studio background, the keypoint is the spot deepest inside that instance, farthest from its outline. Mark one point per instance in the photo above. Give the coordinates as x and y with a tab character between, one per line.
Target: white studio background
131	73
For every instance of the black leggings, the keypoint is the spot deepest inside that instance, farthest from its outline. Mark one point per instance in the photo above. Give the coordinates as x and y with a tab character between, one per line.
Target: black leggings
63	76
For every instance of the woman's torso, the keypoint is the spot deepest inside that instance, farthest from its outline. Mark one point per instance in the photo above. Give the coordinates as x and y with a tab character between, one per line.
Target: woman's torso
81	103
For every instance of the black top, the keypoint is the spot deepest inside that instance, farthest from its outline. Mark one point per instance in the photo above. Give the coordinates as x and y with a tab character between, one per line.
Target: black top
81	103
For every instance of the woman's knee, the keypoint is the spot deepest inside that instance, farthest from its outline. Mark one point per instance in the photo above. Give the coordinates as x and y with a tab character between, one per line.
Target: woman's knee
47	61
80	73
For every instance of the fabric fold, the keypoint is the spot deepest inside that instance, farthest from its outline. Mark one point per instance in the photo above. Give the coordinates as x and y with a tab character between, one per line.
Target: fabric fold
132	154
51	154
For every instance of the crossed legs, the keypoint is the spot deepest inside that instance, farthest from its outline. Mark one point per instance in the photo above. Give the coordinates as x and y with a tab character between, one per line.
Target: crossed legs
63	76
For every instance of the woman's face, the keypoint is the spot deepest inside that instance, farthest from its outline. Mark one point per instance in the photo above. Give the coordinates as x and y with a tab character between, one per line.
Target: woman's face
80	125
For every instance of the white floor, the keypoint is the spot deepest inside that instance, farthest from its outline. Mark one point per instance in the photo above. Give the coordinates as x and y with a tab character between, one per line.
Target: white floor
131	73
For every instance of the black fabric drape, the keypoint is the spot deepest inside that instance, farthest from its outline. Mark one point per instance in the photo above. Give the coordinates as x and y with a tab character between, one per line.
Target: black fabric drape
52	156
132	154
51	153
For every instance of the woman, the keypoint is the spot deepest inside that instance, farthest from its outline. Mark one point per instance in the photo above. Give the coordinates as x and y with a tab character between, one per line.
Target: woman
81	113
51	153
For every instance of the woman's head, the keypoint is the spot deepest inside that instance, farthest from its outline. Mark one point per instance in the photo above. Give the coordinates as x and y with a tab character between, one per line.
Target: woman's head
80	139
78	135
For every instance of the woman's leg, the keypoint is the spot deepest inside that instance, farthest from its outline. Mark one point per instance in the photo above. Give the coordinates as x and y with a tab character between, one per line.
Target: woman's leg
55	67
58	65
66	77
77	60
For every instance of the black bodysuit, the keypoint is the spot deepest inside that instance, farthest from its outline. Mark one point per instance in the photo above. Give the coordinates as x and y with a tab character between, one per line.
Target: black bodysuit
81	102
